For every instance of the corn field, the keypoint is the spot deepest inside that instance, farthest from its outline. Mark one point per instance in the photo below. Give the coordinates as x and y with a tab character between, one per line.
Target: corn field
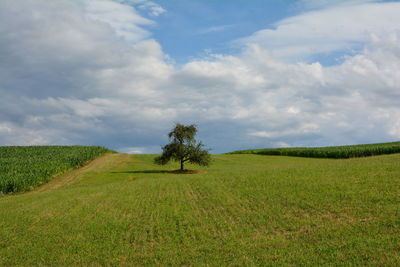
24	167
336	152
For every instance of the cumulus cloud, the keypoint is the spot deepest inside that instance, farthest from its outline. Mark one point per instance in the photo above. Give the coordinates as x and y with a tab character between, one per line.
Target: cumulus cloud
152	8
339	26
123	19
69	75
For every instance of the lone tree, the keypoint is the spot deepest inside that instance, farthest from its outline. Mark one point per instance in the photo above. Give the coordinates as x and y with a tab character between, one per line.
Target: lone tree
183	147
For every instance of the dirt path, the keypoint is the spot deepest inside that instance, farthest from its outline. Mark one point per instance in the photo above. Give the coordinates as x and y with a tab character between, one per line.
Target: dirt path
103	163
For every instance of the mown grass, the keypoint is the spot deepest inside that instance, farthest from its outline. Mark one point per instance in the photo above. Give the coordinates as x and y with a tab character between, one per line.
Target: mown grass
338	152
24	167
244	210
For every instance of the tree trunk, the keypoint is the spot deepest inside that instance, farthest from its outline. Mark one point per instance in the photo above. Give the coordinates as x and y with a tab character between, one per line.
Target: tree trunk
181	153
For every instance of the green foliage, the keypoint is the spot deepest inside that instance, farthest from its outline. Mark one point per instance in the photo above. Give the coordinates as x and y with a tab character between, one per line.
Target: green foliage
24	167
336	152
183	148
246	210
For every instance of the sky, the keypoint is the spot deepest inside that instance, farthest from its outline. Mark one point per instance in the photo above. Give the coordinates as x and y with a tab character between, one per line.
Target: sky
249	74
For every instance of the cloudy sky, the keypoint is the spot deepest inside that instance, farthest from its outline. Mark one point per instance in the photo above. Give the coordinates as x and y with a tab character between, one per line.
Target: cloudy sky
249	74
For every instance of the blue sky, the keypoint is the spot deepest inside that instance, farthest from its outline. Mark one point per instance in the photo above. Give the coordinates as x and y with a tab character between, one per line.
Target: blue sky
250	74
192	29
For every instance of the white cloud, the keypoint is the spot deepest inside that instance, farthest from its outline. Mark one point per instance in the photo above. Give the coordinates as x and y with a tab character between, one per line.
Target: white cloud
152	8
322	4
123	19
305	128
214	29
395	129
65	79
12	134
140	150
281	144
5	128
346	26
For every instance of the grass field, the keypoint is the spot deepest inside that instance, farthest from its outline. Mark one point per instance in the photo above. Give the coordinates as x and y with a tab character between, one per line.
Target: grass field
22	168
243	210
336	152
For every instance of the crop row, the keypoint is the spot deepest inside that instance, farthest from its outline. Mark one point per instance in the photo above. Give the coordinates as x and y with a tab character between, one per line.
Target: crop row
329	152
24	167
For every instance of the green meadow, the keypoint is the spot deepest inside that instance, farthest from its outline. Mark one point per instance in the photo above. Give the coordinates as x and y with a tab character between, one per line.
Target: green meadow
243	210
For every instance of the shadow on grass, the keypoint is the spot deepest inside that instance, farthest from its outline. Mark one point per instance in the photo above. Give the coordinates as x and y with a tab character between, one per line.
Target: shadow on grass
147	171
163	171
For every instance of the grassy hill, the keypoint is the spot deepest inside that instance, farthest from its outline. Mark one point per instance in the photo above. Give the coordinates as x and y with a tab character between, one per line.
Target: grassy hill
244	210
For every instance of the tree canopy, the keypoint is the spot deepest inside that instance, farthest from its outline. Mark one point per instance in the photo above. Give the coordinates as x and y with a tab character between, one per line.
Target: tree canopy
184	148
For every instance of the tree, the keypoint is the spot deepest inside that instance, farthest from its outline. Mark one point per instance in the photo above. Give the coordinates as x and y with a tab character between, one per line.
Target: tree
183	147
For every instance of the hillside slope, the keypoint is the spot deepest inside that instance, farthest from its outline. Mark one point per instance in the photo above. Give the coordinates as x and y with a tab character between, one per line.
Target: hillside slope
243	210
